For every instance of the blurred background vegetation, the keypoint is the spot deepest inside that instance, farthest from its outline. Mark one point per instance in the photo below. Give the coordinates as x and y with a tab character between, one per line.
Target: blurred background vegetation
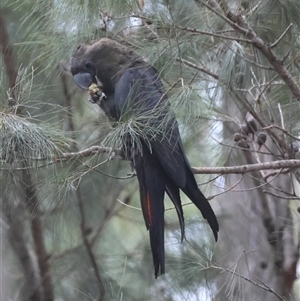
71	225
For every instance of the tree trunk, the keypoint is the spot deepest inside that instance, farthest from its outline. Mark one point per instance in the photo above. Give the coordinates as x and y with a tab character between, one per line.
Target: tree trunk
256	237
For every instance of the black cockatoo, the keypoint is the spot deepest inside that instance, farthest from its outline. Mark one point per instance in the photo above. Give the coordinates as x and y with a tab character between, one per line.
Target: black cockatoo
126	85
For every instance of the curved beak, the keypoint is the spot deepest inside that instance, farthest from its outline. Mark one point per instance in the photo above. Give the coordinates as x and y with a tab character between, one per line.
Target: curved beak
84	80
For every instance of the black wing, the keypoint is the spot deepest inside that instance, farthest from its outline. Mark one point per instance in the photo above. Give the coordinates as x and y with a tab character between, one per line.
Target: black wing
139	93
160	163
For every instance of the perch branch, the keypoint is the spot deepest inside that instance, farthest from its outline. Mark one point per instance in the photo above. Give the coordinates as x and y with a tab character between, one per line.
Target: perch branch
242	169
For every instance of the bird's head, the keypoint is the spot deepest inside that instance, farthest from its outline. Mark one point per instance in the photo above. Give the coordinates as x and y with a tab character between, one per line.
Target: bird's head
103	61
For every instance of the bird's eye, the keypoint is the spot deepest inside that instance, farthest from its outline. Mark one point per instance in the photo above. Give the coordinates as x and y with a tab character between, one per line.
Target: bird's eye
88	65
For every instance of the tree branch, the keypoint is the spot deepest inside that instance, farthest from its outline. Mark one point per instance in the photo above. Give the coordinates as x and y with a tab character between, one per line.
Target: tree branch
31	200
87	152
242	169
281	36
194	66
88	246
14	214
194	30
274	126
32	204
240	25
262	285
92	150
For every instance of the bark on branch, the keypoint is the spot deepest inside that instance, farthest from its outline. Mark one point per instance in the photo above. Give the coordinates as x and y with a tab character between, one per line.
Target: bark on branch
242	169
32	204
239	24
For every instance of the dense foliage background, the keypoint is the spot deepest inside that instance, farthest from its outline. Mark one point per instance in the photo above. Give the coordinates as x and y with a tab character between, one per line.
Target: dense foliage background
71	224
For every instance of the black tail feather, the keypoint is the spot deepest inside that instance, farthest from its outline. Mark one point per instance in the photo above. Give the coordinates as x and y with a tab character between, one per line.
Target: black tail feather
153	182
174	194
152	188
196	196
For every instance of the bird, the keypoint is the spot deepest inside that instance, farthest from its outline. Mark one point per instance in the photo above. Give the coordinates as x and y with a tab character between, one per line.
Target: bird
127	86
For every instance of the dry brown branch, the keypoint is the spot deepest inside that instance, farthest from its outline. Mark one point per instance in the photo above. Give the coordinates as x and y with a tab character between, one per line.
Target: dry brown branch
84	153
281	129
88	245
30	194
17	239
239	23
109	213
32	204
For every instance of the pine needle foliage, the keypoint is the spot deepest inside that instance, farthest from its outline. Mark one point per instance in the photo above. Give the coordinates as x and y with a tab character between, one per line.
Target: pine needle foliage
26	141
181	39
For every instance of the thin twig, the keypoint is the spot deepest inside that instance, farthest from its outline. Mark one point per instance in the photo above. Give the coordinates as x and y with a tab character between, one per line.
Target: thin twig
129	206
167	91
281	116
95	149
129	176
225	190
209	181
194	66
251	11
282	35
229	17
281	129
262	286
62	157
93	236
281	196
266	86
274	173
90	169
194	30
261	185
250	61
